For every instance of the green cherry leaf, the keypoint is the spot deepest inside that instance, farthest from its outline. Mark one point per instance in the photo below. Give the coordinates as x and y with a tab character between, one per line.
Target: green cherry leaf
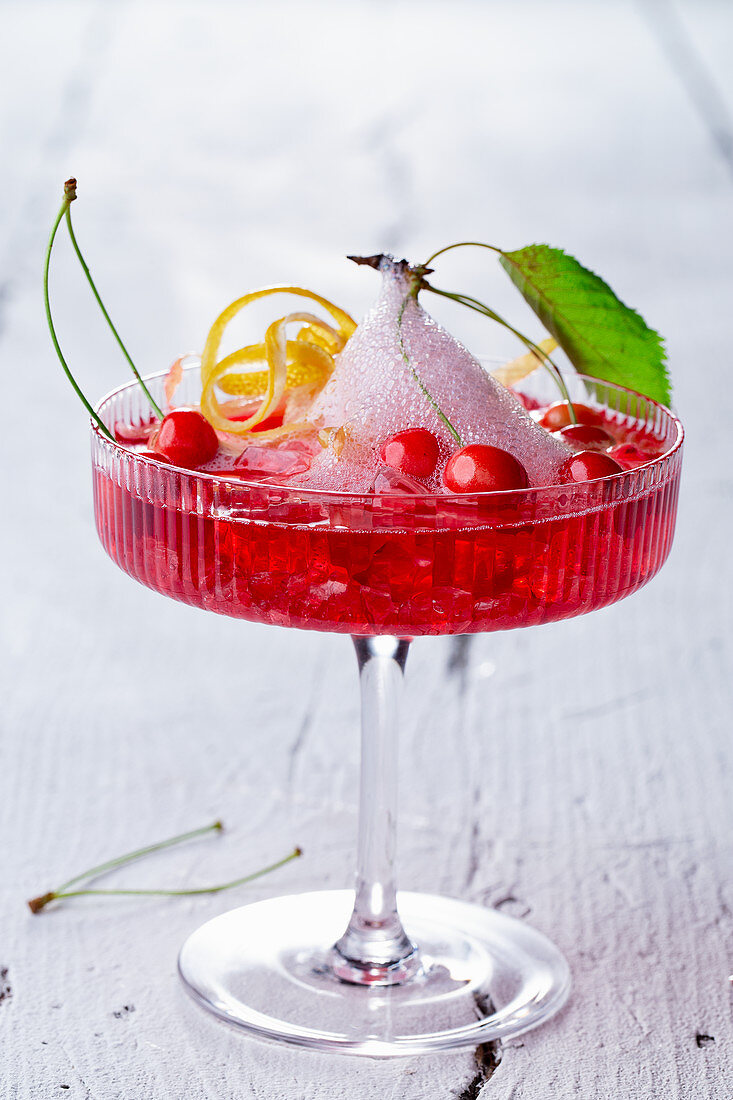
600	335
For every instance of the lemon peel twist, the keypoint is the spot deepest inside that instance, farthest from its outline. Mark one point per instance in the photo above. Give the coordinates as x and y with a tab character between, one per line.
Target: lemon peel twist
285	364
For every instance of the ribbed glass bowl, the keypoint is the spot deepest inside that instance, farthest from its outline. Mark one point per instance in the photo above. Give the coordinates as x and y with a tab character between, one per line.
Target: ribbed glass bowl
382	564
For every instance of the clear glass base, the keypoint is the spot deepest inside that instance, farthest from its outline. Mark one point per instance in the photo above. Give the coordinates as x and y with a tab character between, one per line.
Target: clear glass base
268	968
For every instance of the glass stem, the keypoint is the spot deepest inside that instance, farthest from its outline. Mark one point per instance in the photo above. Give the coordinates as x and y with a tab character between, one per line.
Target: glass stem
375	949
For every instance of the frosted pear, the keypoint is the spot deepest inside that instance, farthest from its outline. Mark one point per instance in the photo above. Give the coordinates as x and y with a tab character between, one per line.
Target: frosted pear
374	392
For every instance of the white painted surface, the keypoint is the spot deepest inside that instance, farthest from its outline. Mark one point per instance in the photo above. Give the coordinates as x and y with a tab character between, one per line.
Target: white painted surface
586	782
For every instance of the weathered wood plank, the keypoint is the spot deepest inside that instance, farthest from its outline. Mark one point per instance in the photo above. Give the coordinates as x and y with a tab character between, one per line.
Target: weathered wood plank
577	774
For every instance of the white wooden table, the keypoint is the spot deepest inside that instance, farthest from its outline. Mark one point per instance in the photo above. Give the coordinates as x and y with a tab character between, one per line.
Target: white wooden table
579	774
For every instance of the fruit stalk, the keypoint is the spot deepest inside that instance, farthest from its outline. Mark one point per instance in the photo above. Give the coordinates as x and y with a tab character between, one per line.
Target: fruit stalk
69	196
156	408
37	904
459	244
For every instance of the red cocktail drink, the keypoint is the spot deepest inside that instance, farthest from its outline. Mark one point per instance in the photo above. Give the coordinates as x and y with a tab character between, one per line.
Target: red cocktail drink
398	564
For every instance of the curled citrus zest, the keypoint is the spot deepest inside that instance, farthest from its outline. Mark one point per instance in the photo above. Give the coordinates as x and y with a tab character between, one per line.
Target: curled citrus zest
289	364
274	352
519	368
345	324
324	336
308	364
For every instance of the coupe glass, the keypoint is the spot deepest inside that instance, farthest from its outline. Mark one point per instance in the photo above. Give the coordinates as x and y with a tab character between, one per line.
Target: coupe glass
373	971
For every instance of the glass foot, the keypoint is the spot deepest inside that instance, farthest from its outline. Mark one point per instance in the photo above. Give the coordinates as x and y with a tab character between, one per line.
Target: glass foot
268	968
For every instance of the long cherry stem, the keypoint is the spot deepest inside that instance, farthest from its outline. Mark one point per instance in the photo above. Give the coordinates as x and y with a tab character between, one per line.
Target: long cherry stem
62	891
69	196
296	852
139	853
108	319
462	244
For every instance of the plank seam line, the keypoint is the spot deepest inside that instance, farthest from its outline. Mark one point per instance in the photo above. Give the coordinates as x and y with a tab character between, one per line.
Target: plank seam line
694	73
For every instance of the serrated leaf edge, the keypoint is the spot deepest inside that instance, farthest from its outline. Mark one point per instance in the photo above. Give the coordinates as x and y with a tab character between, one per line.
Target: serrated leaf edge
645	333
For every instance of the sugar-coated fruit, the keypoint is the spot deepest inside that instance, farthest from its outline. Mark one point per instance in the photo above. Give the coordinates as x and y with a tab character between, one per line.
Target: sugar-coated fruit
558	416
397	365
588	466
479	468
186	438
586	437
413	452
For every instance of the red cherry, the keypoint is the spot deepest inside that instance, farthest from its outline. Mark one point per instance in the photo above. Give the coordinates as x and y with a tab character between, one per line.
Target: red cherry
186	438
585	437
588	466
479	468
558	416
414	452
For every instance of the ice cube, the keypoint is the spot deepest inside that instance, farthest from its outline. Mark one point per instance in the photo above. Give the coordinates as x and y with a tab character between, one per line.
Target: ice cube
391	481
268	461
